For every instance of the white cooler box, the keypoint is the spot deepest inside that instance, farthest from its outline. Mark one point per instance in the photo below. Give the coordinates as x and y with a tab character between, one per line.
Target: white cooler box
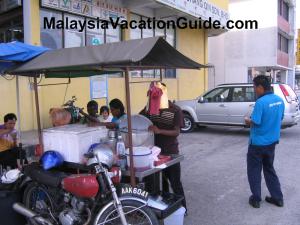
72	141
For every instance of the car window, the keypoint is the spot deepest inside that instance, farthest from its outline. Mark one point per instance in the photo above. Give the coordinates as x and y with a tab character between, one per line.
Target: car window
250	95
238	95
243	94
217	95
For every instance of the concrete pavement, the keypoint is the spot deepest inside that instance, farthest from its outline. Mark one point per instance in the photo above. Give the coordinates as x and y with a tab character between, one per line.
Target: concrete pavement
215	179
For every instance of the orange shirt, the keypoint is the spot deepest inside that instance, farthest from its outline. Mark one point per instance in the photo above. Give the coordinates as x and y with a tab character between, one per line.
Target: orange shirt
6	140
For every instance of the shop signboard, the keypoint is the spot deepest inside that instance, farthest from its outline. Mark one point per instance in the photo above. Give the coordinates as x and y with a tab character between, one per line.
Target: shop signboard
65	4
6	5
198	8
93	8
86	8
51	3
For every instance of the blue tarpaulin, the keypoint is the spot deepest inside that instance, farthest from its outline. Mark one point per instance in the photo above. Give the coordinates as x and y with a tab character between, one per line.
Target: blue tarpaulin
17	52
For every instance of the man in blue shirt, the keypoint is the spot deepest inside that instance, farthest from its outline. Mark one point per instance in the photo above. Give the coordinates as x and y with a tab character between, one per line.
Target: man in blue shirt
265	125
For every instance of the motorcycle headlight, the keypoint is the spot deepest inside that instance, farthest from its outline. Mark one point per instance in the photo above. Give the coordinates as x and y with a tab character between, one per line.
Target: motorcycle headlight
104	154
92	161
115	175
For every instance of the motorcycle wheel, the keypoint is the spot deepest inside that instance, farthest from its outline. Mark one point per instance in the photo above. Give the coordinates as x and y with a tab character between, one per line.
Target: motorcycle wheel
37	198
136	213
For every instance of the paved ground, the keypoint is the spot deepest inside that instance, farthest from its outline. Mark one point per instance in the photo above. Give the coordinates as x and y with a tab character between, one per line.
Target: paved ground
215	181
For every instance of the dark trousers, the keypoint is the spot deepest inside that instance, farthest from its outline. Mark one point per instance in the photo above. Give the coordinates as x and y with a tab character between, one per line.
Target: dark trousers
262	158
172	174
9	157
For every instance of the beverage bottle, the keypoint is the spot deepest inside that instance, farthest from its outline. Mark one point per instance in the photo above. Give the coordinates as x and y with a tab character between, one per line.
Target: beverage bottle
121	153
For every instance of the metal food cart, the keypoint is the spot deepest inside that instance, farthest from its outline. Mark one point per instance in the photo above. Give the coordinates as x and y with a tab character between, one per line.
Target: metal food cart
140	54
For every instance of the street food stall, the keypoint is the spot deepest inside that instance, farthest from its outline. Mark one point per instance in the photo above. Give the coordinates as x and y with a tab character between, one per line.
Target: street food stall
141	54
12	54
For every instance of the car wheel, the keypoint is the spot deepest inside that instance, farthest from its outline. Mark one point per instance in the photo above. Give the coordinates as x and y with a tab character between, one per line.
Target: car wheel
188	124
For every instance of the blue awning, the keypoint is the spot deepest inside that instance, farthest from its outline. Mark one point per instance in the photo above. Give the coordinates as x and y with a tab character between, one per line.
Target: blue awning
17	52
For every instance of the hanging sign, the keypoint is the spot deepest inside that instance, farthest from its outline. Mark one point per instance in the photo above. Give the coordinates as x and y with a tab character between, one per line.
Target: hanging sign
98	87
198	8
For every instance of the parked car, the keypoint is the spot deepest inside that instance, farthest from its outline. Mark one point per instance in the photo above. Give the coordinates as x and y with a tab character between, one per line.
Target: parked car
228	104
298	94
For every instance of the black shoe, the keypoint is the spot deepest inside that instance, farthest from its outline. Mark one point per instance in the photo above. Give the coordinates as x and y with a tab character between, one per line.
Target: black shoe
254	203
186	211
273	201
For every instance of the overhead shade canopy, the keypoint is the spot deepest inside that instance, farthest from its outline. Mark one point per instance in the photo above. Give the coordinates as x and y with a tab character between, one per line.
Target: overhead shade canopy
15	52
148	53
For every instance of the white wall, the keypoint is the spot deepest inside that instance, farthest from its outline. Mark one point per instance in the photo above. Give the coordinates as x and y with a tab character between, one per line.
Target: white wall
233	52
264	11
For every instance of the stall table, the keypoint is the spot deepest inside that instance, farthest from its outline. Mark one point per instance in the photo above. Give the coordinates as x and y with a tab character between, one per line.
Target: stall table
140	175
172	200
154	175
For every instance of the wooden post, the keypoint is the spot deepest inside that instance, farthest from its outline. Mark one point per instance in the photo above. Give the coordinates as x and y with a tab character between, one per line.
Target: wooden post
132	172
38	117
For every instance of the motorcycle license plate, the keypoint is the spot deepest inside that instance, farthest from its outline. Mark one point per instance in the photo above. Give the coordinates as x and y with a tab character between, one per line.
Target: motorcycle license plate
136	192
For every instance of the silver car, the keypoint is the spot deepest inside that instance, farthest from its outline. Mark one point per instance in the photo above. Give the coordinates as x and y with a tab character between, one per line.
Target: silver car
228	104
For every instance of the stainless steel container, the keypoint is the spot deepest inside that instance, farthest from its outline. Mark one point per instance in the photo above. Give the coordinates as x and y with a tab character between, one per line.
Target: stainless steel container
139	138
140	134
111	140
112	134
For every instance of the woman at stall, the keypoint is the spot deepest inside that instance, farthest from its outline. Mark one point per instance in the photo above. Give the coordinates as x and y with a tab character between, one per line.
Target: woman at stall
118	112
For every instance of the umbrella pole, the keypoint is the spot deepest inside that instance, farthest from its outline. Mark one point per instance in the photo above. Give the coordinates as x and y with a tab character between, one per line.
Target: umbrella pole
38	117
160	75
132	173
18	108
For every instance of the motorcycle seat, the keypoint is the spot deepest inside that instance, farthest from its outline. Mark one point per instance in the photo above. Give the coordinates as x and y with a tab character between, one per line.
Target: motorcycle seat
51	178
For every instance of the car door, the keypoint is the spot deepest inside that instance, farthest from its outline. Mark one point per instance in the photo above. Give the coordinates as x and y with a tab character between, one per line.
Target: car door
241	105
212	107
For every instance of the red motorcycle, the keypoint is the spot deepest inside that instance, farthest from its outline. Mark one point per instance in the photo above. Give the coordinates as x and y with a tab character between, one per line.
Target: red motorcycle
72	199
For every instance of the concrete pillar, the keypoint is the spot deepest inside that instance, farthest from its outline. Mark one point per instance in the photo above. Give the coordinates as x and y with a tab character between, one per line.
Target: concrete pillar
31	26
31	21
27	21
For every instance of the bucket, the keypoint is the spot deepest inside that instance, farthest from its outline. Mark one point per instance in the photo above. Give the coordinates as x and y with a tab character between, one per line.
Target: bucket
176	218
142	158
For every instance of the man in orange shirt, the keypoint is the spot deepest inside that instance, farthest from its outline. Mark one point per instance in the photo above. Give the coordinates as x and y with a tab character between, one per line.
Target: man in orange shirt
8	141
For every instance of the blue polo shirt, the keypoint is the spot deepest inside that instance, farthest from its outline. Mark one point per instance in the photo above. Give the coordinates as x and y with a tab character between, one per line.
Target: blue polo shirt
117	120
266	120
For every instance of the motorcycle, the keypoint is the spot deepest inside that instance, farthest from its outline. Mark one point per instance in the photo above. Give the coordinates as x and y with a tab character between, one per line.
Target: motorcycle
57	198
68	114
72	109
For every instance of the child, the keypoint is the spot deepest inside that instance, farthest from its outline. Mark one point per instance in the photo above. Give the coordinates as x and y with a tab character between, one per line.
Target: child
104	114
